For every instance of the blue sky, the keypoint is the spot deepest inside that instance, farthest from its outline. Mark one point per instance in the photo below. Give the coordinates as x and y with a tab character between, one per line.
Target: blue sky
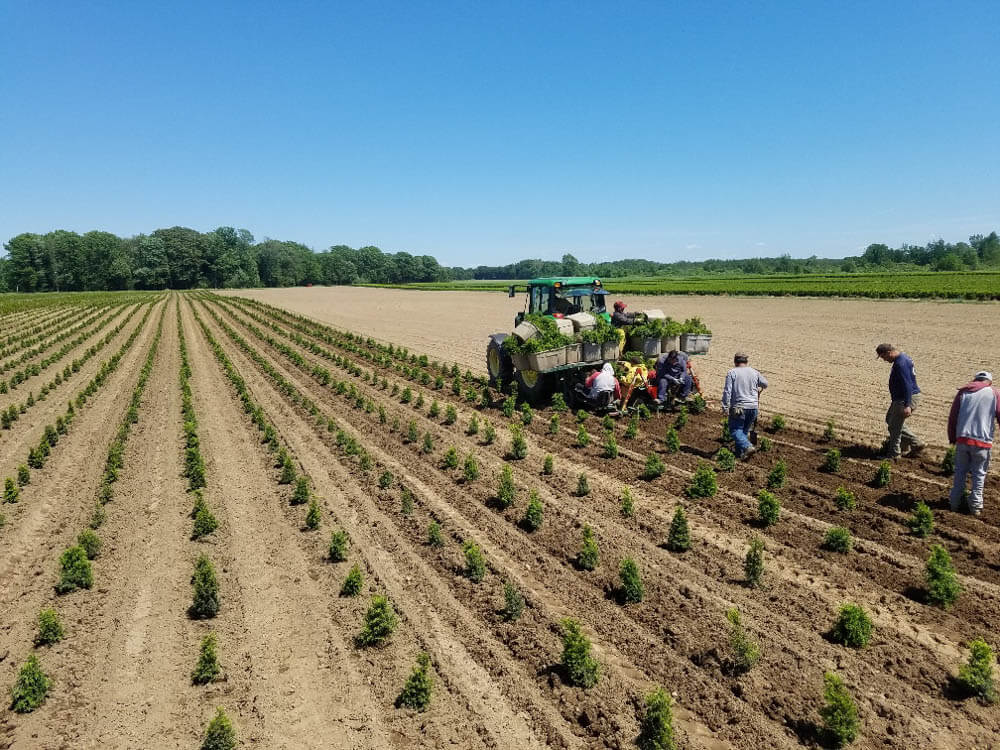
487	132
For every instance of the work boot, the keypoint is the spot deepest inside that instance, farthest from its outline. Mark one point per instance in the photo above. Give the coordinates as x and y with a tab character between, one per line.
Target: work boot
747	453
887	456
916	450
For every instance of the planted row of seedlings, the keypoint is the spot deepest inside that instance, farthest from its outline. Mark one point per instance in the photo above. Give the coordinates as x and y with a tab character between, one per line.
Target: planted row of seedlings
28	336
757	545
75	570
28	349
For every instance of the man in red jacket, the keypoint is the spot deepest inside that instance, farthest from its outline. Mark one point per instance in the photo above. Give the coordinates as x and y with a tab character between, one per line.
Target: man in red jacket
974	413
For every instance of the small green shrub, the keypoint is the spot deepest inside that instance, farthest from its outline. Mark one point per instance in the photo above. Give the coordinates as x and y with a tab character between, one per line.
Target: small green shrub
975	677
768	507
75	572
840	715
416	692
527	414
475	563
205	603
23	475
777	423
435	411
764	444
830	433
672	441
219	735
831	461
681	420
559	403
518	445
580	668
608	423
339	542
943	587
470	470
489	434
631	590
948	461
632	429
31	687
853	628
406	502
921	523
643	412
656	730
428	444
554	425
698	405
627	503
353	582
513	602
450	415
98	517
90	542
654	467
727	435
533	514
204	522
506	491
589	555
610	445
385	480
679	536
207	668
287	470
50	629
725	459
473	428
412	434
883	475
838	539
582	437
407	395
777	476
508	406
313	515
582	486
11	492
450	460
844	499
582	416
753	564
379	623
548	464
301	494
703	483
746	650
434	536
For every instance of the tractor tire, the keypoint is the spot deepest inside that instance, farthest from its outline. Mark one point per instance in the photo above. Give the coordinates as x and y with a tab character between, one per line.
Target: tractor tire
498	364
533	386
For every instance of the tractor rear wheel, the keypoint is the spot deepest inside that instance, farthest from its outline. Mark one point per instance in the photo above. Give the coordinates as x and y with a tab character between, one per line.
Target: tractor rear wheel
498	364
534	386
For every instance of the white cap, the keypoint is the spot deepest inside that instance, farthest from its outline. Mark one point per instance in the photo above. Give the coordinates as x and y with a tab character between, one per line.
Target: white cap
984	375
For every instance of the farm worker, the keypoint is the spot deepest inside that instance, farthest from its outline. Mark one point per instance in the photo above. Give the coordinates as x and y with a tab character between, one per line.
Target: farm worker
621	318
601	381
905	397
740	401
672	375
974	412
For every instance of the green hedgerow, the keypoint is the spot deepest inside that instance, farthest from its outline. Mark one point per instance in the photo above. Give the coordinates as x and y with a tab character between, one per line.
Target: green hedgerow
703	482
434	536
631	590
610	445
416	692
207	668
582	437
654	467
656	730
353	582
943	587
844	499
219	735
838	539
589	556
506	491
31	687
406	502
975	677
513	602
921	523
840	715
90	542
753	565
301	494
11	492
75	572
581	669
948	461
679	536
314	515
475	563
518	445
746	650
548	464
768	507
632	429
777	423
489	433
379	623
205	603
627	503
559	403
339	542
470	471
473	428
533	514
777	476
582	486
450	460
23	475
831	461
725	459
853	628
554	425
883	475
672	440
50	629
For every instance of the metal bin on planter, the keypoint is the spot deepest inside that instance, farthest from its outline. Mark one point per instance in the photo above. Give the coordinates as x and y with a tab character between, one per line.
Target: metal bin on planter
695	343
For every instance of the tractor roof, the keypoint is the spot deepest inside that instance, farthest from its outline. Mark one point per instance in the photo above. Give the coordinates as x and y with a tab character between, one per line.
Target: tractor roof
567	281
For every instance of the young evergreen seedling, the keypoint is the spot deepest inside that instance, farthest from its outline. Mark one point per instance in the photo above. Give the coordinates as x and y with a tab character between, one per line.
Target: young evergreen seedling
434	536
582	437
777	423
610	445
301	494
90	542
921	523
313	515
207	668
778	474
412	434
681	420
727	435
643	412
406	502
353	582
518	445
631	591
948	461
548	464
204	522
838	539
506	492
654	467
287	470
532	520
975	677
383	417
470	471
554	425
672	441
830	433
608	423
339	542
219	735
428	445
473	428
679	536
489	433
831	461
764	444
753	564
883	475
385	480
379	623
205	603
768	507
508	406
75	572
703	483
725	459
844	499
559	403
450	460
746	650
840	714
11	492
31	687
407	395
416	692
435	411
853	628
580	668
627	506
943	587
98	517
589	556
23	475
450	415
475	563
656	730
50	629
698	405
513	602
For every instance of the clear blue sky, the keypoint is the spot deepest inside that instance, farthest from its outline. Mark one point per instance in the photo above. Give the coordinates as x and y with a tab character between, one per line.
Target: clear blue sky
484	132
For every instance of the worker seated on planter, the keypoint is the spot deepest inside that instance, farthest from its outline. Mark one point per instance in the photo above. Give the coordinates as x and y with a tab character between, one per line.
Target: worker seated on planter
600	387
673	377
620	318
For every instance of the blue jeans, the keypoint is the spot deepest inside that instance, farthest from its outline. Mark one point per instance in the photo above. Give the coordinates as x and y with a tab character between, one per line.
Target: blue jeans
969	460
739	427
683	388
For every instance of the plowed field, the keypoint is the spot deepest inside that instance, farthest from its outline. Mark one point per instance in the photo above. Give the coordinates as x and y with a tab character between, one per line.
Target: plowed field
289	431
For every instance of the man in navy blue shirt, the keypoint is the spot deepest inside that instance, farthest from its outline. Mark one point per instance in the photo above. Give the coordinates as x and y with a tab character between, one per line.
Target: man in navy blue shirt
905	397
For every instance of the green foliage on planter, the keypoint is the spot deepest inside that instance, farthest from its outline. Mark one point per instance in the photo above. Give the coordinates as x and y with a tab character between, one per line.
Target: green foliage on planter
883	475
50	629
844	499
75	572
205	601
777	476
703	482
768	507
11	492
513	602
654	467
90	542
581	669
853	628
379	623
627	506
672	440
943	587
353	582
548	465
679	536
838	539
31	687
207	668
656	729
434	536
921	523
753	564
219	735
745	649
975	677
533	514
475	563
831	461
589	555
839	713
416	692
339	542
725	459
631	589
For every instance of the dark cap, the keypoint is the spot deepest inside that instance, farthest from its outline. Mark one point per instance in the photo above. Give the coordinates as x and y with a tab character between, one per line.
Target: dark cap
740	357
883	349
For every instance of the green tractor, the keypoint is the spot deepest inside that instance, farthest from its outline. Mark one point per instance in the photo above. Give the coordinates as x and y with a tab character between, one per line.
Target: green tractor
555	298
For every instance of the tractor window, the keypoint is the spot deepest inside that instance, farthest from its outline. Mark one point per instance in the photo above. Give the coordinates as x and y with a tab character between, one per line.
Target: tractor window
597	303
540	299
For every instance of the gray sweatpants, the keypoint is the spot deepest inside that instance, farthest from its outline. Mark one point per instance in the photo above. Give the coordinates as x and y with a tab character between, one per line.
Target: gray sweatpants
970	460
899	433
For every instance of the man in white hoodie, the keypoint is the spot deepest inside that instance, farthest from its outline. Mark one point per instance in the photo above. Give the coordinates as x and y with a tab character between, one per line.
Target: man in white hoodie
974	413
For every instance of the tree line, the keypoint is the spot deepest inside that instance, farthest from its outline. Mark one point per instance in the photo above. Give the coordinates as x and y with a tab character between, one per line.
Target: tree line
183	258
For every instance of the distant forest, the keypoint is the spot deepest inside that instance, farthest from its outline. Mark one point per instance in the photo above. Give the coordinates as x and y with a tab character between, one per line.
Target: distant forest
182	258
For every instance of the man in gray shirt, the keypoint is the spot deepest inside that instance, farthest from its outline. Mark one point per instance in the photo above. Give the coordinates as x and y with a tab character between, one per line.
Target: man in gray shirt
740	402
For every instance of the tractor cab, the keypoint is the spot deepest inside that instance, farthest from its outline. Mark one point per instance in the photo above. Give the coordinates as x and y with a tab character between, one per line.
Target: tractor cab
563	296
